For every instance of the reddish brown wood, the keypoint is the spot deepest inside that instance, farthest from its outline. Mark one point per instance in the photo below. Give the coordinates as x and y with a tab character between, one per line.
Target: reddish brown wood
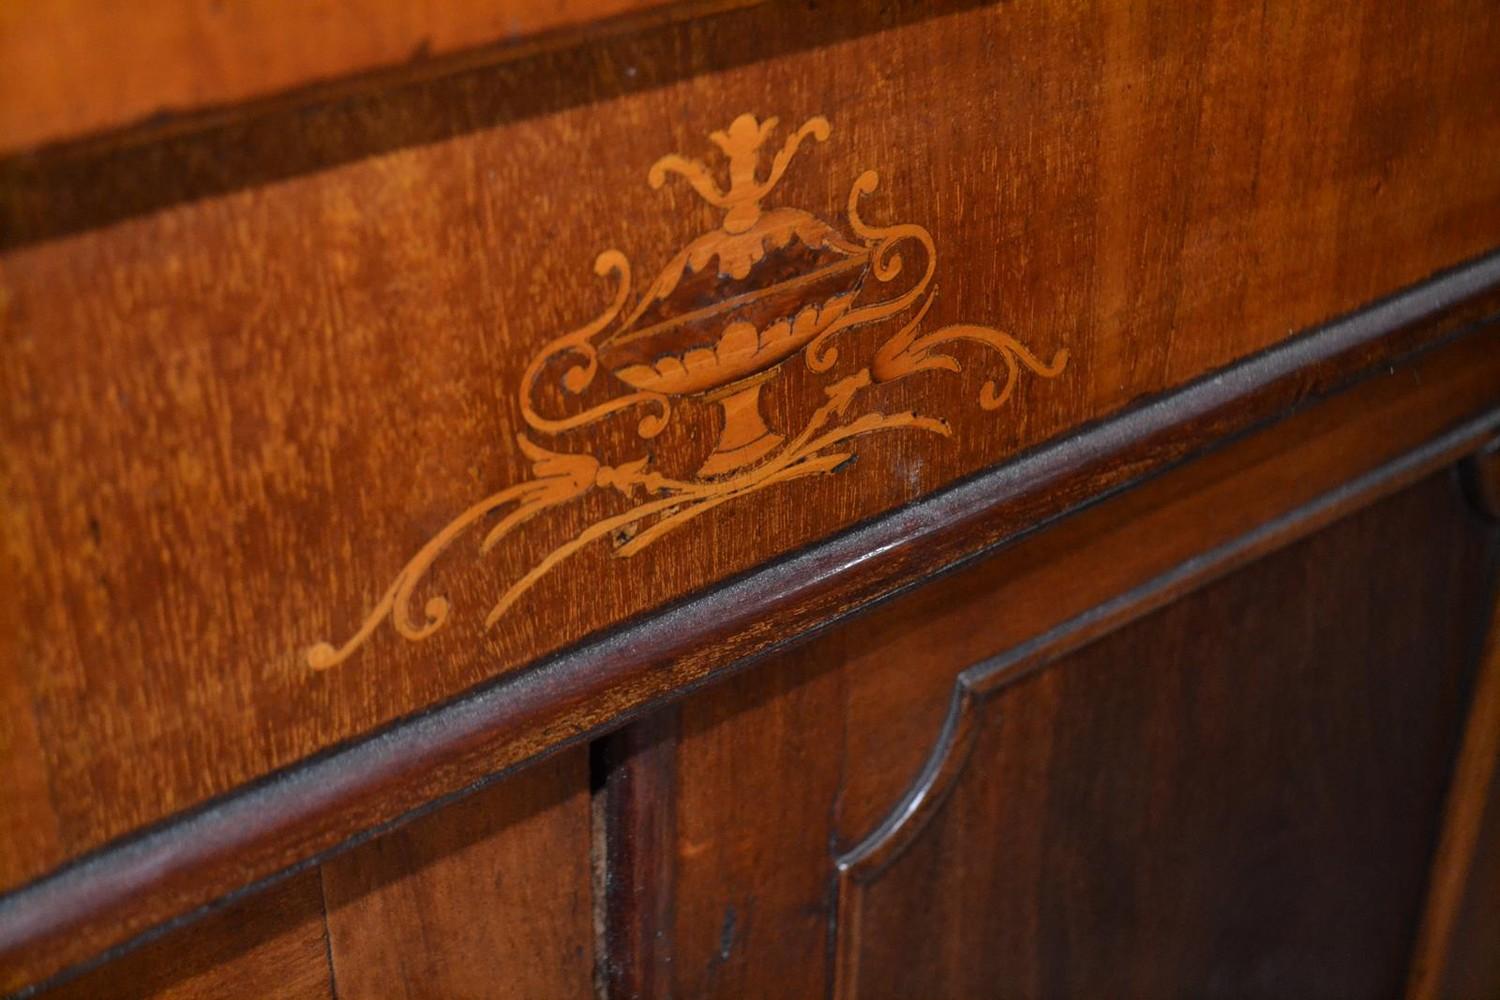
151	64
1471	964
269	944
253	367
870	731
73	915
256	361
1309	469
755	783
1229	797
259	355
487	897
638	819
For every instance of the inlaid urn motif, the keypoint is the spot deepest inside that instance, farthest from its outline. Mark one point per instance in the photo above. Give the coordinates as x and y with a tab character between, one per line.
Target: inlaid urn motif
717	322
739	300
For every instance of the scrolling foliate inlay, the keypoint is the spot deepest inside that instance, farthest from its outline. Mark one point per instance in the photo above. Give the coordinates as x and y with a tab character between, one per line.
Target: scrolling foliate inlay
715	325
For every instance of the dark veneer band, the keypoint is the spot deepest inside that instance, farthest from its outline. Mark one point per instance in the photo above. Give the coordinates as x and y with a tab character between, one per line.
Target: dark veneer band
171	873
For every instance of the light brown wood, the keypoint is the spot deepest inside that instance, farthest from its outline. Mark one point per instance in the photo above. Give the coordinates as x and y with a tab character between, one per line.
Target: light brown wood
340	471
287	347
69	68
488	897
771	304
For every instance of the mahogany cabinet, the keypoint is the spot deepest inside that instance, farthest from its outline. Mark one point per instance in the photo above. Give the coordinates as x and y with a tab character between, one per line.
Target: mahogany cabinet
647	498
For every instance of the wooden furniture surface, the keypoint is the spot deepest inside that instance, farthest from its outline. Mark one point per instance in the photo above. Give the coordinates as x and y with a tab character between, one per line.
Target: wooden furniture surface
165	64
749	499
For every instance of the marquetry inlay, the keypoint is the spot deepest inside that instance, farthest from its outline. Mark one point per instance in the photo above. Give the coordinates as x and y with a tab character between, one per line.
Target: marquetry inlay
715	325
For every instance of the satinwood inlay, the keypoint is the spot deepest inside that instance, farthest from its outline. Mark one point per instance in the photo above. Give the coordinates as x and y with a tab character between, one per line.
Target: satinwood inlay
715	325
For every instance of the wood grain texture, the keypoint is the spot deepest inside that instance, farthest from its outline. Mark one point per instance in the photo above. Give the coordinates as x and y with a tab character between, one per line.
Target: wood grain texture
1482	480
910	654
1226	798
1455	953
157	61
638	822
871	695
258	356
267	945
754	785
779	283
284	344
967	705
1471	966
489	897
311	809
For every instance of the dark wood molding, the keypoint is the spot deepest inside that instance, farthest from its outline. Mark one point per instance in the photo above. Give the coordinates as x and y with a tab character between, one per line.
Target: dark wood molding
170	873
639	791
1469	795
1481	474
975	685
1071	811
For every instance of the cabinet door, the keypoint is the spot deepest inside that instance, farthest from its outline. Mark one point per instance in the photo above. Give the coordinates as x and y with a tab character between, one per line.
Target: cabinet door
1235	789
1237	795
487	897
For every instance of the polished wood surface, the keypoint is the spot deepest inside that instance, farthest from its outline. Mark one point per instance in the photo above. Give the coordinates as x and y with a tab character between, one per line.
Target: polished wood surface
490	897
1454	955
153	64
735	931
1193	805
270	944
1470	965
394	401
874	696
779	282
290	354
636	772
751	905
310	809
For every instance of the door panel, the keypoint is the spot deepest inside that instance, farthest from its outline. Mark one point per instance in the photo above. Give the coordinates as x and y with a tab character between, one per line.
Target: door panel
489	897
271	944
1237	795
